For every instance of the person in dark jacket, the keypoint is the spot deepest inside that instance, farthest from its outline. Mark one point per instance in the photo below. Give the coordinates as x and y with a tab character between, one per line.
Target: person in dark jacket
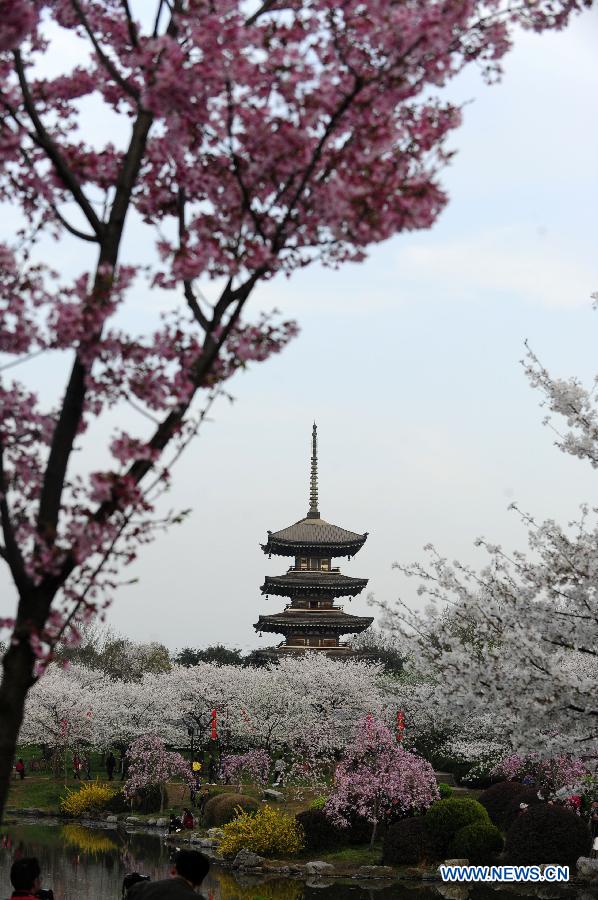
190	869
25	877
110	765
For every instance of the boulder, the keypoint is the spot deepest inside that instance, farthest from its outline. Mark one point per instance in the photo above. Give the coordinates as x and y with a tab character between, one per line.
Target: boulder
151	821
247	859
455	862
215	832
319	867
132	819
587	868
276	796
112	818
375	872
162	823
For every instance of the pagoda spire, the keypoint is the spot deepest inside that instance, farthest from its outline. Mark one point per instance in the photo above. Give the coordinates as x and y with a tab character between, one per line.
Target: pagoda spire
314	512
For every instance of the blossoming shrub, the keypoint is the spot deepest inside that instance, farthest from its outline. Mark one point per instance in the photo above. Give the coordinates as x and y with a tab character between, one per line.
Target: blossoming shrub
502	801
445	818
252	767
406	843
548	774
547	834
268	832
90	798
480	843
378	781
224	808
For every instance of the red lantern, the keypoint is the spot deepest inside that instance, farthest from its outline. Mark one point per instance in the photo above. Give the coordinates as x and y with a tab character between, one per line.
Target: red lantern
400	725
214	731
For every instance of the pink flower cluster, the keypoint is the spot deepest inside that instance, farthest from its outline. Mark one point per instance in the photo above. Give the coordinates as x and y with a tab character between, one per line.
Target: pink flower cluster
378	780
548	774
253	767
150	763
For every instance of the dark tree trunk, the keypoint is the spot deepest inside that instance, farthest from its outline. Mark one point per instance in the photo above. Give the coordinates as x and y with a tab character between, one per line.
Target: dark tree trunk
17	678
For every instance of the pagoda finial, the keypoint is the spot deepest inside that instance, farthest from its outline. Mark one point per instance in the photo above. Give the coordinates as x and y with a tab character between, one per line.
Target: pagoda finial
313	482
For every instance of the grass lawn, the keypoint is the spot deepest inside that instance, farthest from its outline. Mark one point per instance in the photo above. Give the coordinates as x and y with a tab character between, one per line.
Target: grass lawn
39	791
350	857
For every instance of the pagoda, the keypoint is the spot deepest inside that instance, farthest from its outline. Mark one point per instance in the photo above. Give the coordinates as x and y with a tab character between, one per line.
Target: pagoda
311	621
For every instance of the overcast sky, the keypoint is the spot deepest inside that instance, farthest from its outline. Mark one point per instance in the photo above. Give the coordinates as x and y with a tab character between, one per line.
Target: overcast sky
409	363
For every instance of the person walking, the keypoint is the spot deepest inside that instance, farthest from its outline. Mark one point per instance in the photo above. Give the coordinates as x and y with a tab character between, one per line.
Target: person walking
190	869
77	766
110	765
20	768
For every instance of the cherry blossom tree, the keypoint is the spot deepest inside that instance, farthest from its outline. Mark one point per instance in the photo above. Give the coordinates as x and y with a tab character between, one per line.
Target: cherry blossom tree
378	780
549	775
252	767
519	638
151	764
252	139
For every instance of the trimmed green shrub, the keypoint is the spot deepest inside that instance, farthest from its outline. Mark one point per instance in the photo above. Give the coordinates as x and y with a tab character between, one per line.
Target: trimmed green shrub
359	831
502	801
118	804
547	834
445	791
406	843
223	808
446	817
320	833
148	799
318	802
480	843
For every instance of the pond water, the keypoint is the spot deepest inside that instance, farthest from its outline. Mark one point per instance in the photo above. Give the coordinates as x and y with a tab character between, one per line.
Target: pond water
85	863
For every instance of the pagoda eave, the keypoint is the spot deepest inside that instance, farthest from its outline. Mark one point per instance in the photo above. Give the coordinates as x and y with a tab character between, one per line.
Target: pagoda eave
310	584
297	548
291	624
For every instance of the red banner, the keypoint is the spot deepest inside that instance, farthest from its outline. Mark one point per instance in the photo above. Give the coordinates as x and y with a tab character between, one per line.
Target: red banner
400	724
214	730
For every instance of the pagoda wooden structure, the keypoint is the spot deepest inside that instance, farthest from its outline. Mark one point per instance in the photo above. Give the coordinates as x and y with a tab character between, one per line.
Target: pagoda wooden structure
312	621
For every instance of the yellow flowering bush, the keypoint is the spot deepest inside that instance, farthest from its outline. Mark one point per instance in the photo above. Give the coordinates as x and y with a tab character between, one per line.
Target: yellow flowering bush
90	798
269	832
88	840
230	889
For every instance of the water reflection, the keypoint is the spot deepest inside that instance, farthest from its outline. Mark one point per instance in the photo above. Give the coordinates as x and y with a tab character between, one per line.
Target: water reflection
83	863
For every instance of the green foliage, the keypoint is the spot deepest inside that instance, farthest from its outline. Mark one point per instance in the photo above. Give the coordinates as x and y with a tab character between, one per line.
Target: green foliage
118	804
318	802
480	843
445	791
320	833
90	799
117	656
502	801
216	653
446	817
224	808
148	799
406	843
268	832
547	834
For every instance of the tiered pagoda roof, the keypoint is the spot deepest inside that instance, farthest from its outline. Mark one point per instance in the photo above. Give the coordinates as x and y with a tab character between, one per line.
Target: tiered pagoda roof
331	584
311	621
307	620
